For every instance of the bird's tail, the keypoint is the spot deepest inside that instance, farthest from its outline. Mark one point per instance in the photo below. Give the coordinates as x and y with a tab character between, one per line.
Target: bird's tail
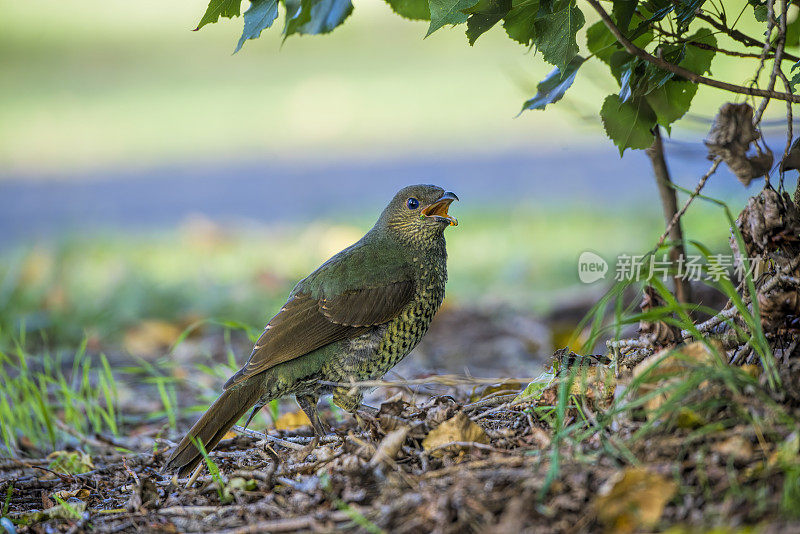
215	423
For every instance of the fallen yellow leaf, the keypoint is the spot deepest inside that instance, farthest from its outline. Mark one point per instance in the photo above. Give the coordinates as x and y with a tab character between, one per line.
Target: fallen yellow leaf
150	337
458	428
633	499
292	420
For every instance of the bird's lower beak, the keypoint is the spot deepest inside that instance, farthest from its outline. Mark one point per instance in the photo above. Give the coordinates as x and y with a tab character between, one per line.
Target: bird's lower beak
439	208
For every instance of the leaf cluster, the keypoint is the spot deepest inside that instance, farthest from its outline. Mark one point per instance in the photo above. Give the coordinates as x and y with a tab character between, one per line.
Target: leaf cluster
677	31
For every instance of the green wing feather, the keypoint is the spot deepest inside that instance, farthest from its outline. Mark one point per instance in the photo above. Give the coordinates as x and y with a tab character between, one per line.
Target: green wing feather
366	284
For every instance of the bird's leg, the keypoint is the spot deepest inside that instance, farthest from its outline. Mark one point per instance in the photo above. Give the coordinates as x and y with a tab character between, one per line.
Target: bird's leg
309	405
350	401
371	410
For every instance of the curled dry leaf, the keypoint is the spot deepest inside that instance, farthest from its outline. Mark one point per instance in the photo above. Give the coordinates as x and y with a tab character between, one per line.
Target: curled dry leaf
438	409
730	138
458	428
792	160
389	446
769	224
633	499
770	228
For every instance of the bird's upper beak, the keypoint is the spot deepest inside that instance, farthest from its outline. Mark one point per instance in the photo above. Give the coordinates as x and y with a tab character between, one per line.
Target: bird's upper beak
439	208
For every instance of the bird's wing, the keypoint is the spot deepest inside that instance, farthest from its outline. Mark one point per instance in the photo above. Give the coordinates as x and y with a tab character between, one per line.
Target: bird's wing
306	323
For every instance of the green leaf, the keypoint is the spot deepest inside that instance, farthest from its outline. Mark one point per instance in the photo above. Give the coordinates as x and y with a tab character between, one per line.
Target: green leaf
796	77
220	8
638	78
259	17
553	87
759	9
448	12
311	17
671	101
622	13
793	32
628	124
519	21
658	10
698	60
481	20
411	9
685	11
602	43
534	390
556	31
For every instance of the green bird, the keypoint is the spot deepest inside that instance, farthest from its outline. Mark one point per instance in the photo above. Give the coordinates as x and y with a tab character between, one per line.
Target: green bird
353	318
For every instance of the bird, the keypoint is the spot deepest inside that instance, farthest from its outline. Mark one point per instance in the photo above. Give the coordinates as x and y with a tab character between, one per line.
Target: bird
352	319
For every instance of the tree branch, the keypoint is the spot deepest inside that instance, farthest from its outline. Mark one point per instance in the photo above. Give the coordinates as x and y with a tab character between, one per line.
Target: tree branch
736	35
704	46
669	202
680	71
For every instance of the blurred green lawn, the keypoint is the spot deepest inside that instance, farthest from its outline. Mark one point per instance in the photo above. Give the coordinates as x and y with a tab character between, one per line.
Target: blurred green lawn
103	286
120	85
88	84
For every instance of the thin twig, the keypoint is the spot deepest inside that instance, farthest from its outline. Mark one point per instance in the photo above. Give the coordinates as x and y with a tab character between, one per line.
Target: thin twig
705	327
441	380
680	71
724	51
765	48
742	38
789	131
195	474
294	524
261	435
776	64
700	185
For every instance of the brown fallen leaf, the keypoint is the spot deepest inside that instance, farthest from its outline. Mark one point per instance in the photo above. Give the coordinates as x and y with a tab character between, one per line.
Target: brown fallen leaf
633	499
292	420
389	446
666	367
458	428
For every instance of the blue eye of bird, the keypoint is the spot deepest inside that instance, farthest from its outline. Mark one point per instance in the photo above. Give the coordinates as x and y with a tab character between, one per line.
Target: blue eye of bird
412	203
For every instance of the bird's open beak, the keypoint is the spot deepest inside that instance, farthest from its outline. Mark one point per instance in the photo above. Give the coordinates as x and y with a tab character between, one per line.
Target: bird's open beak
439	208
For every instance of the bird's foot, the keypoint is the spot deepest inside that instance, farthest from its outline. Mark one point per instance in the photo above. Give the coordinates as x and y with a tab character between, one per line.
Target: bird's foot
366	417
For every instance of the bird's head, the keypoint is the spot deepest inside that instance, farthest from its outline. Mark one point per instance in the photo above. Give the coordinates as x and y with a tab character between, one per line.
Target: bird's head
418	213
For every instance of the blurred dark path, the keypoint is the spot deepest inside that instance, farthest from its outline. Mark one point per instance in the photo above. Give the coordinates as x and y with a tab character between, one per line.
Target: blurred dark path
258	192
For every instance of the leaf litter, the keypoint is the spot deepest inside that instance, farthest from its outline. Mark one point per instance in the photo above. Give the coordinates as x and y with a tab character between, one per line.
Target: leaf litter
450	463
